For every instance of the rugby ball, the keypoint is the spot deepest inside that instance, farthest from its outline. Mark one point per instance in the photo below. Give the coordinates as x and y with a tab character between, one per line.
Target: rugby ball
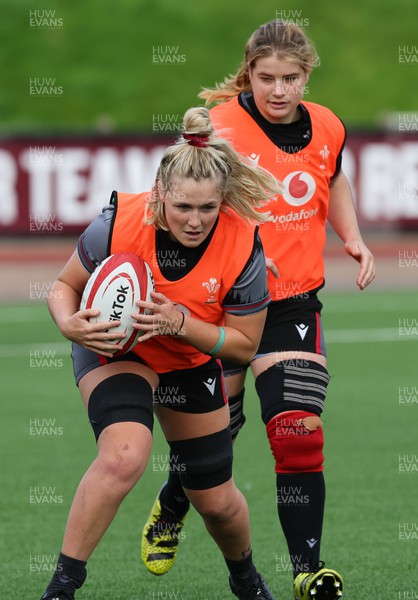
114	287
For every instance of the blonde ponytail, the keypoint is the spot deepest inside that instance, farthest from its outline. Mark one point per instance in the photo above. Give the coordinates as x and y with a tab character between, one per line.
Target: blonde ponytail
244	187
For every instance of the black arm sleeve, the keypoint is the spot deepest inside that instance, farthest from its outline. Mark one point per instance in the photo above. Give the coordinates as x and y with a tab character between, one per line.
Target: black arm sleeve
250	294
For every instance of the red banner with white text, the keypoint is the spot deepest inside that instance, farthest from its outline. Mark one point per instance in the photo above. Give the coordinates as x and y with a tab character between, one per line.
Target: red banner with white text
58	185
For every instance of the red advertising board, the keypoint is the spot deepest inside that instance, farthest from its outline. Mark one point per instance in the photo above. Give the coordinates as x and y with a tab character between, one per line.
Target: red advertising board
59	185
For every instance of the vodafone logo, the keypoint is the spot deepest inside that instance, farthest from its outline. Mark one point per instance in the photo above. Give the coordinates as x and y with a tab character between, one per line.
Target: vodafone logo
299	188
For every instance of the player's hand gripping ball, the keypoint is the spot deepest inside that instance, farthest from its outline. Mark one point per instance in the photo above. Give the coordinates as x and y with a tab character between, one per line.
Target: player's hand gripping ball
114	288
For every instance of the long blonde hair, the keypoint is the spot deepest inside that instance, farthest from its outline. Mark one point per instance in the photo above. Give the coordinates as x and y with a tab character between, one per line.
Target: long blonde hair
244	187
275	38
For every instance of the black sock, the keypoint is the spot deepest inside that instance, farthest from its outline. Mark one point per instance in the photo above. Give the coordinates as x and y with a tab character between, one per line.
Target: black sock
69	575
243	572
300	503
172	496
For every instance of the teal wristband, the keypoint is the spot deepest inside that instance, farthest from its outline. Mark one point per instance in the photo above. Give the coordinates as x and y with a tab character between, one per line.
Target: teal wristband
219	343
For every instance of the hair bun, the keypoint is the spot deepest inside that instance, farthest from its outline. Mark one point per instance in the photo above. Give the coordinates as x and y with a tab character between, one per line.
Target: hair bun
197	125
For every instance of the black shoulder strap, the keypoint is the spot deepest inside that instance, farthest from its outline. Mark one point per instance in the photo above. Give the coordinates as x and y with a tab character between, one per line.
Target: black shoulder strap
113	202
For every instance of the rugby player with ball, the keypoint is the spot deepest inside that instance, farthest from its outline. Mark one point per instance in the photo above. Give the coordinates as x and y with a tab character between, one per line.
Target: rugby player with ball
210	305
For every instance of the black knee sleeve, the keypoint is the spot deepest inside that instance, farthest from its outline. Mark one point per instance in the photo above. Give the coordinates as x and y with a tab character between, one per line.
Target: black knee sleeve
204	462
292	385
236	411
120	398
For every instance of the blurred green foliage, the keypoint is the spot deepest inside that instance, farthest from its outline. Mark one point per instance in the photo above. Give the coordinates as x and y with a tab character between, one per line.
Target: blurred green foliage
101	55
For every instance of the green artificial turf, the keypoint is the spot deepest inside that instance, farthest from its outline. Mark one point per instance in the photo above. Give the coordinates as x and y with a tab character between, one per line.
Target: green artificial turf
370	427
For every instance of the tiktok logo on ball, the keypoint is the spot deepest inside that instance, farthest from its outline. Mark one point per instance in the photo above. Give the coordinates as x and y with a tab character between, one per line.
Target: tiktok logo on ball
299	187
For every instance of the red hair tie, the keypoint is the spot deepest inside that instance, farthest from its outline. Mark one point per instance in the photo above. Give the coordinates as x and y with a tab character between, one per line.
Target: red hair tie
195	139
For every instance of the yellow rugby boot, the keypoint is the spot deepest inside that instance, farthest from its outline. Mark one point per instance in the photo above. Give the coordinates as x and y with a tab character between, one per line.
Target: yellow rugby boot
160	539
324	584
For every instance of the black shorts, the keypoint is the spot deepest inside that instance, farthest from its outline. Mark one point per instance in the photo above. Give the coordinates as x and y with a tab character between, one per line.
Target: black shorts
293	324
197	390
